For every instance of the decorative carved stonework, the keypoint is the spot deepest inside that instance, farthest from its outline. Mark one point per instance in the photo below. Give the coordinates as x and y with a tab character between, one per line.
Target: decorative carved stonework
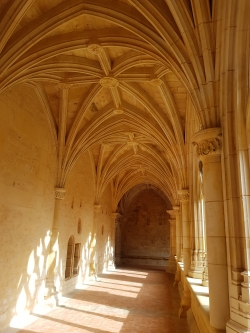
156	82
118	111
177	209
63	85
208	147
109	82
95	49
183	195
97	208
60	193
172	213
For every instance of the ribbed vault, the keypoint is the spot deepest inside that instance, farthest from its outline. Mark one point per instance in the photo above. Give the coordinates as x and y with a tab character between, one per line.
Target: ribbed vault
116	79
130	195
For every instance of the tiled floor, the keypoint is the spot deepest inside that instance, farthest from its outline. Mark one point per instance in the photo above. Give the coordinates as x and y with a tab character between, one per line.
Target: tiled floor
128	300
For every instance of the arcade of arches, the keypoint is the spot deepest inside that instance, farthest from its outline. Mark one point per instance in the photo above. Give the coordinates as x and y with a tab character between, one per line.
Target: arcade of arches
124	139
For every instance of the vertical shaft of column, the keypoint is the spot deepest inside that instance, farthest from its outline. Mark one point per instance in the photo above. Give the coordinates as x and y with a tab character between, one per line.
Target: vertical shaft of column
184	198
118	244
50	287
171	268
92	249
178	232
209	151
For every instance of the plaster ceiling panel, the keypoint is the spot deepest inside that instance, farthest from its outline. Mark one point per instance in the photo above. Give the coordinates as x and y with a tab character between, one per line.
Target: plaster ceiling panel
83	23
116	51
76	97
36	9
129	98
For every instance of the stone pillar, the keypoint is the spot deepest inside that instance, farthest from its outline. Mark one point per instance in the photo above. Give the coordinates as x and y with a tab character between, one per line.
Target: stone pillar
208	144
184	199
50	286
92	248
171	268
118	240
197	262
178	244
115	239
178	232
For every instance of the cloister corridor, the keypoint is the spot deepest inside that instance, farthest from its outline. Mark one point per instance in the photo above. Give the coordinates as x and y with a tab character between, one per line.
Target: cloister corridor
126	300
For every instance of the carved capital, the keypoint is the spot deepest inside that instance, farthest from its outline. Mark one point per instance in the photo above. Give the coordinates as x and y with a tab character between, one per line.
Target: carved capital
172	213
183	195
208	147
60	193
176	209
208	142
97	208
63	85
109	82
156	82
95	49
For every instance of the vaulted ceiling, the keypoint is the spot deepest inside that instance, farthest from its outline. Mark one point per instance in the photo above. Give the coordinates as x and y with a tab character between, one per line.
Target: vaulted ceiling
116	79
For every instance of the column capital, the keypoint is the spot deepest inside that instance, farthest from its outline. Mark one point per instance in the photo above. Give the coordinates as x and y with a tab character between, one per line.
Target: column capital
176	209
172	213
208	142
97	208
60	193
64	85
183	195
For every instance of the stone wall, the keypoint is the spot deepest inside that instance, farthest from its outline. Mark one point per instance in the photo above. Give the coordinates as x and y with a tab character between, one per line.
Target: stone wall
146	233
27	173
27	182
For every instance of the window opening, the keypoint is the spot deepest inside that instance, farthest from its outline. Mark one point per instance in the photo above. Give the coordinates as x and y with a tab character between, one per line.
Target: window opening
72	259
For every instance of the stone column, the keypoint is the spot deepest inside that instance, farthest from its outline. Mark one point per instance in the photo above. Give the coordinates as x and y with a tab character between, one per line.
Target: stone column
178	243
208	144
92	248
118	240
115	238
178	232
184	199
197	263
50	286
171	268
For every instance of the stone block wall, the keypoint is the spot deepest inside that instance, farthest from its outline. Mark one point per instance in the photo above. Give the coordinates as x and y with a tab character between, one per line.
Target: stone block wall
146	233
27	182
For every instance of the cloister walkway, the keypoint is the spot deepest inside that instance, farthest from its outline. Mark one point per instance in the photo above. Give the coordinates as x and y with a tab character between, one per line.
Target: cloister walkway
127	300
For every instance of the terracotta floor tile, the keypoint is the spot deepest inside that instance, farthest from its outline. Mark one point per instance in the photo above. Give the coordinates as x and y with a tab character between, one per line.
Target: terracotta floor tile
127	300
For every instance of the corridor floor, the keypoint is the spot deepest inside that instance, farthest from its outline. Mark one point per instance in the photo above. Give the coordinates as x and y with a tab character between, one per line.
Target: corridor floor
127	300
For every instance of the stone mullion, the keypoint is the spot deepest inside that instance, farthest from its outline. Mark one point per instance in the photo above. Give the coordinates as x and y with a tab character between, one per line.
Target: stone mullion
208	144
